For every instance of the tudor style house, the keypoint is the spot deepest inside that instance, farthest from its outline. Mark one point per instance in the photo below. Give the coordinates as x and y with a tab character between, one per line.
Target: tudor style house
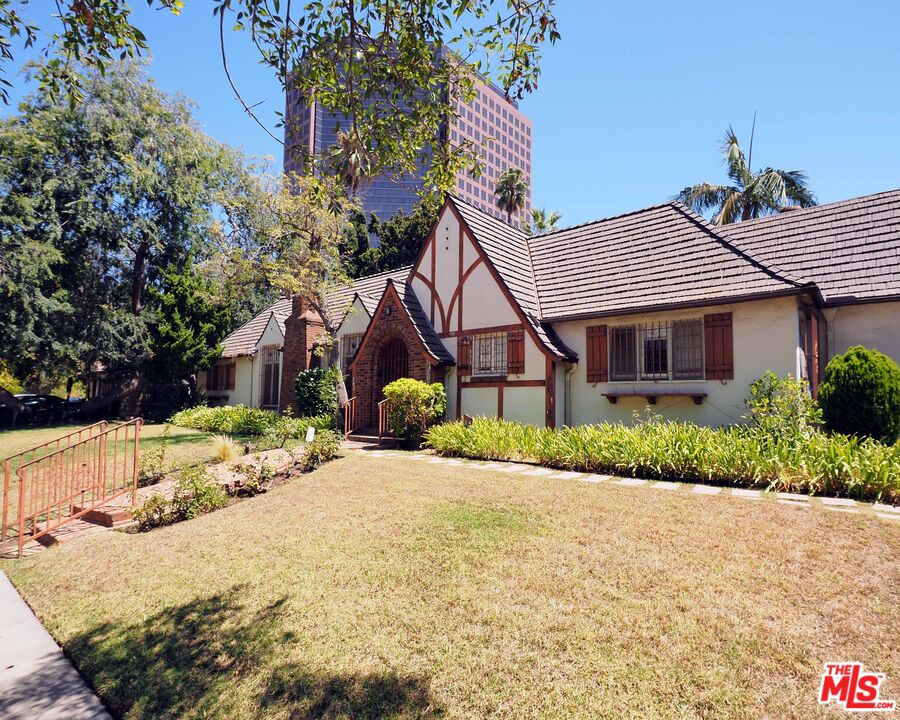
595	322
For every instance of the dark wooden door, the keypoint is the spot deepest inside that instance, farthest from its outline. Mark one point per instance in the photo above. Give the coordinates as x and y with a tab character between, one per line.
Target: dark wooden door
394	361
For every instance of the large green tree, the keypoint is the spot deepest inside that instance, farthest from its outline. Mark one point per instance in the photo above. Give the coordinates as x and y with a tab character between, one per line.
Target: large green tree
374	63
750	194
98	199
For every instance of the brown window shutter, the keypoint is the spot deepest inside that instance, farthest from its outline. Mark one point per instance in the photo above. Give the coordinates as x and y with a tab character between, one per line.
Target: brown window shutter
231	373
719	346
464	356
597	355
515	352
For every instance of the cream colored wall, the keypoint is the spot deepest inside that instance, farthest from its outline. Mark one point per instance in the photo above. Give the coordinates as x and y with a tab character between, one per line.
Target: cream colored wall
480	402
874	325
484	303
766	336
272	335
524	404
355	321
246	382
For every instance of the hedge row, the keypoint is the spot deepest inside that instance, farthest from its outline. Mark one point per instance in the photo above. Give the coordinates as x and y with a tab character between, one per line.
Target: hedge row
241	420
818	463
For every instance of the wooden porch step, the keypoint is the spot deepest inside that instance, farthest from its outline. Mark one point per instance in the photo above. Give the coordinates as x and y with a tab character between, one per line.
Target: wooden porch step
371	438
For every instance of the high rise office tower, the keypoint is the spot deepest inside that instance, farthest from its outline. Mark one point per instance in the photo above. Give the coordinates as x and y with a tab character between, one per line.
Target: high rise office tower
496	127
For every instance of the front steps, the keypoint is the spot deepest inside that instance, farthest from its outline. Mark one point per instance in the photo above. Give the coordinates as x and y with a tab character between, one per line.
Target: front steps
369	436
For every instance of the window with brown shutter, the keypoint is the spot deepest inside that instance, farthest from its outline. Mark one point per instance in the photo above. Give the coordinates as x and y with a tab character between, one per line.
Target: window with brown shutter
464	356
597	359
515	352
231	374
719	350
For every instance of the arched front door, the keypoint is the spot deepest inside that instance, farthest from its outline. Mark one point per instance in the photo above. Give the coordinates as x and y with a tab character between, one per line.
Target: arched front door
393	362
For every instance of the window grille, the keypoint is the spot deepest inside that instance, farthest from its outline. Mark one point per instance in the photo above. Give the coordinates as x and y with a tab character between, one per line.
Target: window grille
270	376
349	346
489	354
657	351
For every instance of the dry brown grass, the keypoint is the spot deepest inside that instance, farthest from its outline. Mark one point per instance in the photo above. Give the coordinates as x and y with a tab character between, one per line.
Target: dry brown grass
397	588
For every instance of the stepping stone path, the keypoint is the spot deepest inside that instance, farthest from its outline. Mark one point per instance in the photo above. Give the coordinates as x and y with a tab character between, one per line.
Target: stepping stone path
797	500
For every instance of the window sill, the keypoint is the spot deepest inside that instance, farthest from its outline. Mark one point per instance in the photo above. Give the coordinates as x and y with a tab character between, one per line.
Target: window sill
487	377
651	394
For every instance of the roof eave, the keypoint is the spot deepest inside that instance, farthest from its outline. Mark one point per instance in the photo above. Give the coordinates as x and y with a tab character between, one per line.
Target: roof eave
712	302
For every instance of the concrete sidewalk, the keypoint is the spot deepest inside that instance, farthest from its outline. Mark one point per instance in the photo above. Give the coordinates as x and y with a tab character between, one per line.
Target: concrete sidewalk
36	680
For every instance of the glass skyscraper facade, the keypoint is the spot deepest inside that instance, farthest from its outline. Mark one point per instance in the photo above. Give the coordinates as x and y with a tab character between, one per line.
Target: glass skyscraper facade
494	125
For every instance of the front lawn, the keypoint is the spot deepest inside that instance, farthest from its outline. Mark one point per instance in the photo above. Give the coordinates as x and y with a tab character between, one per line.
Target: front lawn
395	587
184	445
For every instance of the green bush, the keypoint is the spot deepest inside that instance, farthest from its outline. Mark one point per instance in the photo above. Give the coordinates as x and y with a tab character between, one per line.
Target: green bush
818	464
315	391
196	494
240	420
324	447
412	407
782	406
860	395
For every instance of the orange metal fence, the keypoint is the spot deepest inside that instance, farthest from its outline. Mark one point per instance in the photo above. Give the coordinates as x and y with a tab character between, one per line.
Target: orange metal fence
349	416
383	428
66	478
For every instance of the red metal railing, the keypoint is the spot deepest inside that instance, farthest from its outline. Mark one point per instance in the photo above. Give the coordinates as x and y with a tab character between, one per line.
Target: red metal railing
350	416
60	486
383	428
11	464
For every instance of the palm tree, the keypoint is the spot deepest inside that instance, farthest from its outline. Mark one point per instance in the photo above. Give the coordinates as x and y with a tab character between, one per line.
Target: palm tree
541	222
511	190
751	195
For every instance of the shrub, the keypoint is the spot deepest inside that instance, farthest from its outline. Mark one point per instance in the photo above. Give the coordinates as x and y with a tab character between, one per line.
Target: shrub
240	420
315	391
155	512
860	395
196	494
782	406
324	447
224	448
412	407
152	464
817	464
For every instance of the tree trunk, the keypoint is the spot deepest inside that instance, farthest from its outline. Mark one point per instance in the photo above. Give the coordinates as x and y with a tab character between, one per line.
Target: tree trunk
121	391
7	399
137	276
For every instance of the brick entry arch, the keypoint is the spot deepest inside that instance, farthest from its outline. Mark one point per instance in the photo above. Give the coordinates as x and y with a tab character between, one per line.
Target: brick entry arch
379	360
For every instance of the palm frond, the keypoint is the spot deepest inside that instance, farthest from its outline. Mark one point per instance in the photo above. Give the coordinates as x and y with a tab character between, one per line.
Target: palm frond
704	196
734	160
731	207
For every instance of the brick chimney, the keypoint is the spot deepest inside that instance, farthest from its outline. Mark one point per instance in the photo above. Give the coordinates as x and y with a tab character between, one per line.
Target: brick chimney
301	330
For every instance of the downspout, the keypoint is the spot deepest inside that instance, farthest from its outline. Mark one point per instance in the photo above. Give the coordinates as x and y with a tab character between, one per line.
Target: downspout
570	371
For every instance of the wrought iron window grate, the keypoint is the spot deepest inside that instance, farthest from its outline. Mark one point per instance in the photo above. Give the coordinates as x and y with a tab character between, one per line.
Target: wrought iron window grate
657	351
489	354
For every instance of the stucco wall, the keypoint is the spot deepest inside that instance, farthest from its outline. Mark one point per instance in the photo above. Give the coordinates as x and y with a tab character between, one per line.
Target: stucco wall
766	336
246	382
874	325
479	402
524	404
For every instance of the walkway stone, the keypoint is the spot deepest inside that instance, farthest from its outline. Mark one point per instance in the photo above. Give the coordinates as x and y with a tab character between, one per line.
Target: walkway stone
792	496
540	472
749	494
888	516
596	478
665	485
566	475
841	509
882	508
706	490
631	482
36	680
843	502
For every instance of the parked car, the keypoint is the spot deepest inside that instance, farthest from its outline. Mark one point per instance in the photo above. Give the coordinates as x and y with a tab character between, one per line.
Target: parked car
41	409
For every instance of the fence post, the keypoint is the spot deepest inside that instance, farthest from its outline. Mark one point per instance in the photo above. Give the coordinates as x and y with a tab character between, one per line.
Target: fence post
21	511
6	468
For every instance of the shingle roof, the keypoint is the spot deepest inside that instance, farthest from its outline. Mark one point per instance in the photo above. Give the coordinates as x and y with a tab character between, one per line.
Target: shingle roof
850	249
369	289
420	323
507	249
243	340
657	257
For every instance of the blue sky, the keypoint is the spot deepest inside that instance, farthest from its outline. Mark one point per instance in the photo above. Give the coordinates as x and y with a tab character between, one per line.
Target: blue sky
635	98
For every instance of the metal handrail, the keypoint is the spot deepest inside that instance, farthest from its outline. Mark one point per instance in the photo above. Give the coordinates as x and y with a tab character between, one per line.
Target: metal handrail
33	451
79	471
383	429
349	416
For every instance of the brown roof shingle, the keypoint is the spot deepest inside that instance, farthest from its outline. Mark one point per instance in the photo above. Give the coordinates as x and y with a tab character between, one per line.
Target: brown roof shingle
243	340
850	249
661	256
